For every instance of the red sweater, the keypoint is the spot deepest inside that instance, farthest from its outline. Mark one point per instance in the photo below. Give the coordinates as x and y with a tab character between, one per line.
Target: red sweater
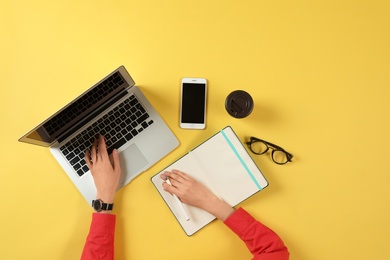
100	240
263	243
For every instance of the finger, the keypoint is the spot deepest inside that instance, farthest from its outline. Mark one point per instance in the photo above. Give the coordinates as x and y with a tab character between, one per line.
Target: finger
167	177
178	178
93	151
166	174
169	188
102	147
172	178
88	159
177	184
163	176
179	175
184	177
115	158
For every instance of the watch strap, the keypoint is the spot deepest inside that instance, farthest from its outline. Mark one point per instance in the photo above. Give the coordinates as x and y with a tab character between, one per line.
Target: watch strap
103	206
107	206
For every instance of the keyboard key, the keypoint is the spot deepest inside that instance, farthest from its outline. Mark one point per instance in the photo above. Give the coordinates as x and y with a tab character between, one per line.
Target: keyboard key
74	160
134	132
129	136
70	156
133	102
142	118
77	167
118	144
144	125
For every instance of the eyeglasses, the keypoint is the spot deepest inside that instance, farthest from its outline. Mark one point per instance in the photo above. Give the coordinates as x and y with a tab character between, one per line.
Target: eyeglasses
278	155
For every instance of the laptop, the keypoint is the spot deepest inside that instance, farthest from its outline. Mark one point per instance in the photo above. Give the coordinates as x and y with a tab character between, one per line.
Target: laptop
117	109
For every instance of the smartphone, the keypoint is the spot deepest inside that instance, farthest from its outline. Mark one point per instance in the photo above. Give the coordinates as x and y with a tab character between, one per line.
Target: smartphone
193	103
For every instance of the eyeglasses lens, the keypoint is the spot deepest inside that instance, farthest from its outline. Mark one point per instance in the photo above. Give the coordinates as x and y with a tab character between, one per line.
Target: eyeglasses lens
259	147
279	157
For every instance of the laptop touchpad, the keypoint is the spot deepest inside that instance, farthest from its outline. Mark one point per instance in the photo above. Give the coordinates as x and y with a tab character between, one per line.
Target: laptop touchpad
132	162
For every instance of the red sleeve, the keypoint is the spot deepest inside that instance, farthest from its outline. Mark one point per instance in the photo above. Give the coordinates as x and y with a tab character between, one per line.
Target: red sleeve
263	243
100	240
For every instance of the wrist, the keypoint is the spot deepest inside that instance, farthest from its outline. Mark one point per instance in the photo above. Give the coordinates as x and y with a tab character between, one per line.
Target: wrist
219	208
106	198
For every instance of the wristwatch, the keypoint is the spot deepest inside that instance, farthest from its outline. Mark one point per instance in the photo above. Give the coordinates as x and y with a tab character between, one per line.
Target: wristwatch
99	205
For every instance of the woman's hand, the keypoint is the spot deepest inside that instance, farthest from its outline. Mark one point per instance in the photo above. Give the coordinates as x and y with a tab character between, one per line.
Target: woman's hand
194	193
106	171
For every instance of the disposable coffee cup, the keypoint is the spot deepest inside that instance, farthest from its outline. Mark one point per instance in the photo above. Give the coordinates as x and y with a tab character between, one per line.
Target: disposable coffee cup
239	104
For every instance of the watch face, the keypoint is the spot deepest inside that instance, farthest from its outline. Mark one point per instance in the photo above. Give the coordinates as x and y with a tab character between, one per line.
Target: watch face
97	205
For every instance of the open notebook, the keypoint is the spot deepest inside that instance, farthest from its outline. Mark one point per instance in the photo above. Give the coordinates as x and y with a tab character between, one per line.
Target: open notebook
223	165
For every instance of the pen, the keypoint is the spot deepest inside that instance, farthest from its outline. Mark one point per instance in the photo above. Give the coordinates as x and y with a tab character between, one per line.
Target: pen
178	201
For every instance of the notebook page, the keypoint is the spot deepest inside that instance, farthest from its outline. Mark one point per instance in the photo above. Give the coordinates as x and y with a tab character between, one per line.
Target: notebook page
198	217
231	172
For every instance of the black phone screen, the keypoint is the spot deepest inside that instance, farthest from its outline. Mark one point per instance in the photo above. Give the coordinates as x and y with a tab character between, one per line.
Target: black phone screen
193	103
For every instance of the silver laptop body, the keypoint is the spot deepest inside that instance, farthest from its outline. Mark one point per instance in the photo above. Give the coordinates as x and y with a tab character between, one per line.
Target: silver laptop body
117	109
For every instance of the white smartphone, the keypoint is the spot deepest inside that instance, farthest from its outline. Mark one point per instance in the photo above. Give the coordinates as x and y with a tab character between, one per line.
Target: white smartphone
193	103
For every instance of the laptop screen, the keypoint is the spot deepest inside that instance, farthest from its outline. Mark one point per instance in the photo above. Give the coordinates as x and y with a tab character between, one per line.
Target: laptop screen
76	111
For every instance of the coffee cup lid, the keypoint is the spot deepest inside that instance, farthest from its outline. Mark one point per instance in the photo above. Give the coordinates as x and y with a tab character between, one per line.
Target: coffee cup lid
239	104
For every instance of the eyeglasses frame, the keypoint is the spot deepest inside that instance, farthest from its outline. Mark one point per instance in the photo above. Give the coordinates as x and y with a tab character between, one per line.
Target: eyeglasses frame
269	145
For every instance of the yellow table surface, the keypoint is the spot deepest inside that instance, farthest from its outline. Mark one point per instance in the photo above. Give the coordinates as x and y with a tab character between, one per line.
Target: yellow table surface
318	72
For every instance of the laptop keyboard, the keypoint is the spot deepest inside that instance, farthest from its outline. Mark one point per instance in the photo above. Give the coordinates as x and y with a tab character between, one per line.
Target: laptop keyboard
118	126
83	104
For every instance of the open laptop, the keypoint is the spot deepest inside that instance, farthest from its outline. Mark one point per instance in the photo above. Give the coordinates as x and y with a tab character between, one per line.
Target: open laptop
117	109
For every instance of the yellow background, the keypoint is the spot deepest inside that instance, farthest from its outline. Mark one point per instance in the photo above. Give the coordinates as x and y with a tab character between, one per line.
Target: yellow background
319	75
